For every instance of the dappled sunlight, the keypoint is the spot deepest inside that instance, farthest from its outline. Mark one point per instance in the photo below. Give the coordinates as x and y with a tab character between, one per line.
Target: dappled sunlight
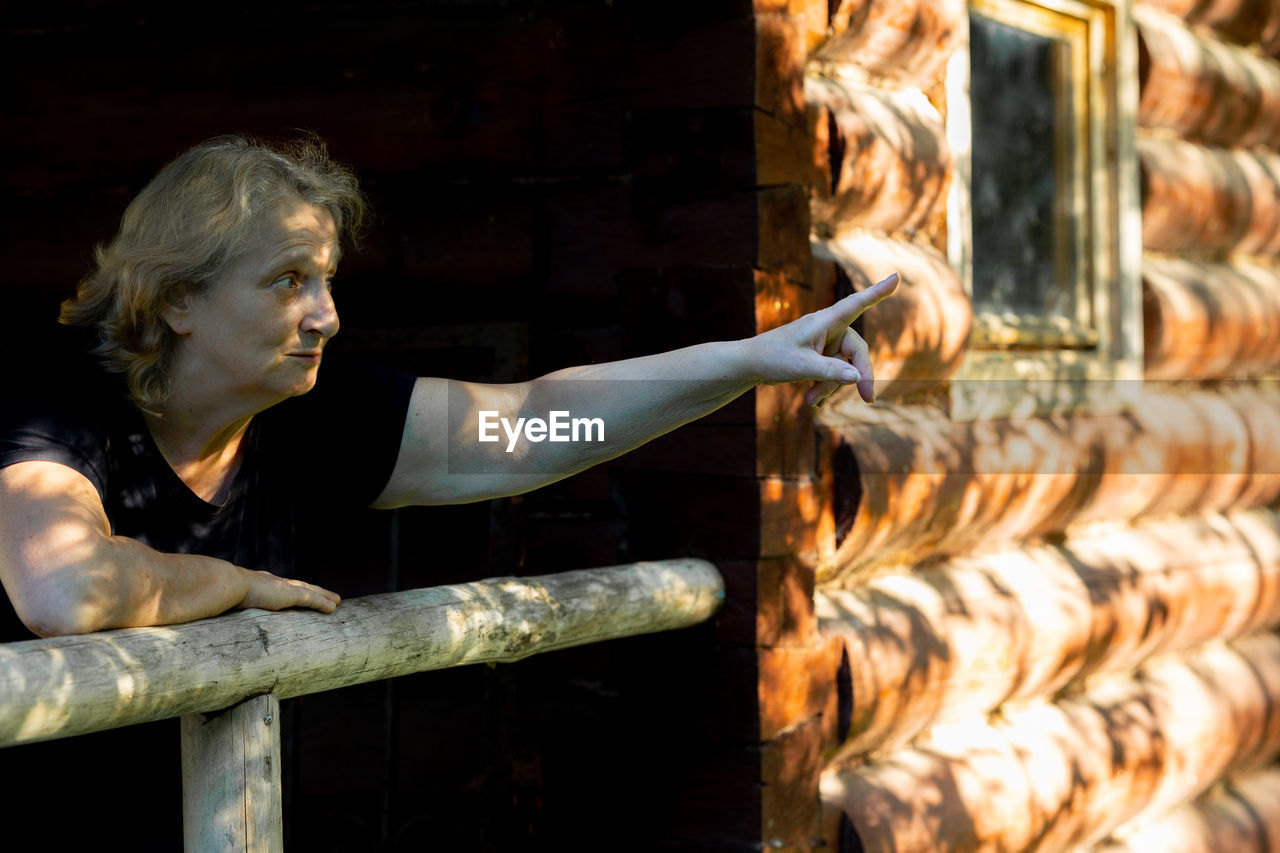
926	485
902	40
1053	775
889	164
1196	86
1208	320
960	638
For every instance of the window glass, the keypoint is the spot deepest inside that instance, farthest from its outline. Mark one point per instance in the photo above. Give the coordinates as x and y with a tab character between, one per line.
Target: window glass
1023	229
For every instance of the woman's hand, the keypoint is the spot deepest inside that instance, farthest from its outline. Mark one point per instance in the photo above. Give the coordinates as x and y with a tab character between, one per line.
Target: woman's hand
272	592
821	347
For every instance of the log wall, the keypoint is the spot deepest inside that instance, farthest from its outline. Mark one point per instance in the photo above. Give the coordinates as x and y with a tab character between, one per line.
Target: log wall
1041	632
1052	776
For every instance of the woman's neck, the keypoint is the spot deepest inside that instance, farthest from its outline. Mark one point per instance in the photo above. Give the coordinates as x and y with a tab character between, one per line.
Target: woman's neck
202	448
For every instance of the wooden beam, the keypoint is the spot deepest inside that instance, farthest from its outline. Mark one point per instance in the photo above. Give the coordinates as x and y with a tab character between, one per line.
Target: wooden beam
1205	320
72	685
915	483
1204	89
1195	196
960	639
1242	816
1053	776
1209	199
884	164
906	41
1241	21
231	794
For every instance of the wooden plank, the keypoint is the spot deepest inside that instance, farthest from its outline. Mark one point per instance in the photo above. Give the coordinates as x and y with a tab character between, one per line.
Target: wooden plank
959	639
784	421
782	226
795	683
768	602
71	685
795	519
791	765
231	787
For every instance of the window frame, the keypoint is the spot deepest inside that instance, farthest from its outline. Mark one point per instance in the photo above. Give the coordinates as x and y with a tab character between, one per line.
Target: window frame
1027	365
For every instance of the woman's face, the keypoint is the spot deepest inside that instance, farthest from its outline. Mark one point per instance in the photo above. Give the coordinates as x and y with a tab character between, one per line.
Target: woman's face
258	331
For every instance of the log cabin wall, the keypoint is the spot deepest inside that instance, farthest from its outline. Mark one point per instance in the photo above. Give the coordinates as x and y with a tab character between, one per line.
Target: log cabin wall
1051	632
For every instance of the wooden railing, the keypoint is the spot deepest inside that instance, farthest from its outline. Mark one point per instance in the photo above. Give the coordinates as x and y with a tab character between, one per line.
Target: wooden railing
225	676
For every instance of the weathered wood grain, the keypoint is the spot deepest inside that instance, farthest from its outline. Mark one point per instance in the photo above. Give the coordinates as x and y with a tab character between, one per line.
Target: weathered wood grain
1050	776
72	685
959	639
231	794
1242	816
1202	88
906	41
1193	197
1207	199
913	483
1244	22
1205	320
884	163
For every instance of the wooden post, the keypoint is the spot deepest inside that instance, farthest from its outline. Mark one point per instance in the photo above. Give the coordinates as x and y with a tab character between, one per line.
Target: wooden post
231	778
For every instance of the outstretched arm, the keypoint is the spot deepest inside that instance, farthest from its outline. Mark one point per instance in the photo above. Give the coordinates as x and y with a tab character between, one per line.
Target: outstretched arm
66	574
467	441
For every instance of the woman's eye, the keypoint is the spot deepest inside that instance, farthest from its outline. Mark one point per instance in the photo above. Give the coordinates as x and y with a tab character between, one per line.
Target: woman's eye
286	282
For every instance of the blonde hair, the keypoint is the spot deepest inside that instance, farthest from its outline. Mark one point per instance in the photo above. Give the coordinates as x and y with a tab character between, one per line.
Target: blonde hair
183	230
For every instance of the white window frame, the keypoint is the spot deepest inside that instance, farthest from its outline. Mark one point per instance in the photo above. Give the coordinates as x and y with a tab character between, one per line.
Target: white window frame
1025	365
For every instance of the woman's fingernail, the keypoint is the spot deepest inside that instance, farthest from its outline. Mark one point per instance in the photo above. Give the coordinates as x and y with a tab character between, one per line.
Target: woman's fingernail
850	375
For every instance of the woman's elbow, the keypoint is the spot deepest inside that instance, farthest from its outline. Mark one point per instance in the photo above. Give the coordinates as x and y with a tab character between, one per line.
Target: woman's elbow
61	607
61	621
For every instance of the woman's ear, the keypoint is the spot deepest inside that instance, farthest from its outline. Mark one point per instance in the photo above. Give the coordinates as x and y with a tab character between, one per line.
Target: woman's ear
176	312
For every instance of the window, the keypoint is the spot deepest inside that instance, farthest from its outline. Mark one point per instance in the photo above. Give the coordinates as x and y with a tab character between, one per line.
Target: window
1043	219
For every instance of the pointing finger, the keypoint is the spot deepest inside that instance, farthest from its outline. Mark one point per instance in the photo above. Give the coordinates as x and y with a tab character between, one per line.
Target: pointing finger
851	307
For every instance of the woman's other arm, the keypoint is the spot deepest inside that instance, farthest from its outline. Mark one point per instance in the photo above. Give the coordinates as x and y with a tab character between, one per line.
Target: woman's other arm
66	574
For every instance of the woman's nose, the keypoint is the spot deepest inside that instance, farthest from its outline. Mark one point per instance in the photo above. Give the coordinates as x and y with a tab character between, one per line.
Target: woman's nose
322	317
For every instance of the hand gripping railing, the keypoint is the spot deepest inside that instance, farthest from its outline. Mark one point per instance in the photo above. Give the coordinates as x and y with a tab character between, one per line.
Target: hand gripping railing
225	676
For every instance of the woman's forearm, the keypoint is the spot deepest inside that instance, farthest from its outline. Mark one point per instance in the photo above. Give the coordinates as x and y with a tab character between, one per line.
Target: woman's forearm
66	574
121	583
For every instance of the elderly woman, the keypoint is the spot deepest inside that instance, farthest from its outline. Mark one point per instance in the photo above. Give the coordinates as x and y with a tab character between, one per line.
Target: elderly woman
152	464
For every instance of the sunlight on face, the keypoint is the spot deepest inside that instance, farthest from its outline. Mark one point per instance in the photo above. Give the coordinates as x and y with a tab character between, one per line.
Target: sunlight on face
258	332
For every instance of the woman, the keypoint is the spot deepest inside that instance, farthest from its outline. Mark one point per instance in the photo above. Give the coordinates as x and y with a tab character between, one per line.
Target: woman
150	473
